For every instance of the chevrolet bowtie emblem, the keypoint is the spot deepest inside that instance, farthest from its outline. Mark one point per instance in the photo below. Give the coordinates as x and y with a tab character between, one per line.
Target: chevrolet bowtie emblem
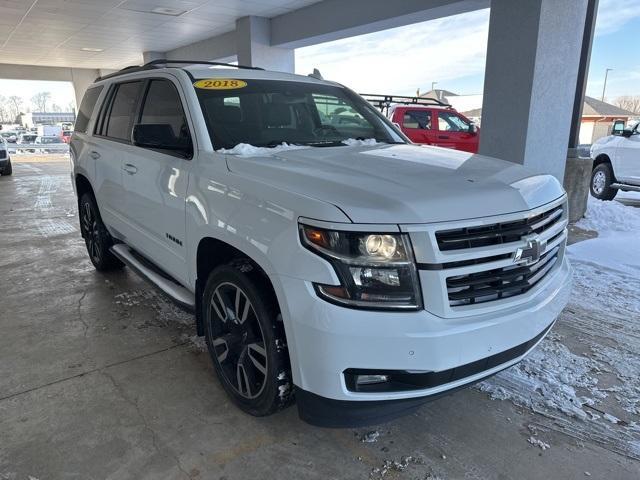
531	253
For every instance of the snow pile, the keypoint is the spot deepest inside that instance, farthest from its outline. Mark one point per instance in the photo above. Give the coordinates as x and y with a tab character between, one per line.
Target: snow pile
247	150
618	228
609	218
354	142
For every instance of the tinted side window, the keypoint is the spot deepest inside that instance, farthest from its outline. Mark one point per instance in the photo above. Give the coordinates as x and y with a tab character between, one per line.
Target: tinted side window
120	119
162	106
86	108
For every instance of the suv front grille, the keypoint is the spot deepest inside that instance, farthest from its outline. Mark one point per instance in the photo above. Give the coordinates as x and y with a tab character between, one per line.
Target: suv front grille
497	233
490	285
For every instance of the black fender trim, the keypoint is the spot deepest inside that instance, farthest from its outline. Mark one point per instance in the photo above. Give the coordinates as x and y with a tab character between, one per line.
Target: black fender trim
199	322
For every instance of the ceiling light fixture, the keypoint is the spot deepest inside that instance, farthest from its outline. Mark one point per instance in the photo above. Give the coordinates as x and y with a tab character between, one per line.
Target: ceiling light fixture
174	12
91	49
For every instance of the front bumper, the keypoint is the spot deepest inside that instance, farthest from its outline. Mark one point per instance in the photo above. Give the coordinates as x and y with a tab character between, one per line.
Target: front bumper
325	340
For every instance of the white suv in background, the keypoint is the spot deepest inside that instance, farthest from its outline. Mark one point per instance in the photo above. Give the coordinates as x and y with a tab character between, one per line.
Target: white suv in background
616	163
333	262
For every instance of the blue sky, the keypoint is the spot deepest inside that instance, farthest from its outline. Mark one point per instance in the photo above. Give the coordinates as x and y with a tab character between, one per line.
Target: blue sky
452	52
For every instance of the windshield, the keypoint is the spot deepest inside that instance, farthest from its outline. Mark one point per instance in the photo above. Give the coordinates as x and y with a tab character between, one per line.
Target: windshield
267	113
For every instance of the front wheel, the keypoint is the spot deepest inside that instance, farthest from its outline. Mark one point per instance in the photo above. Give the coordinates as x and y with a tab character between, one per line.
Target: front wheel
96	236
601	180
8	169
245	337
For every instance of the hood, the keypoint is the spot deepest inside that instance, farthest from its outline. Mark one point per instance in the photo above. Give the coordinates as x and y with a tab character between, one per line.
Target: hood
402	183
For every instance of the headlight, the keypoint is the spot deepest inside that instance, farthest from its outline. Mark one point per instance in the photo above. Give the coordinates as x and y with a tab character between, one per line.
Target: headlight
376	270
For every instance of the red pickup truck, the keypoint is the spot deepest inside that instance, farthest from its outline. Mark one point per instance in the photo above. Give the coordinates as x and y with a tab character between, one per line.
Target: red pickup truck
429	121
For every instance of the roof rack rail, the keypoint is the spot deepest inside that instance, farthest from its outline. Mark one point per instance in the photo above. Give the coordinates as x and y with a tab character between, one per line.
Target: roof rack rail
382	102
160	62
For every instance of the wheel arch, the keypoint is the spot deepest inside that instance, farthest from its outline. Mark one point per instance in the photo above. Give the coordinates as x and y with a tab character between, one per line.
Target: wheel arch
83	185
211	253
600	159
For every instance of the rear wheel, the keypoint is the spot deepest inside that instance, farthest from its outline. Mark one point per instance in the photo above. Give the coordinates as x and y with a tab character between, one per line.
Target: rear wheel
601	180
246	340
96	236
8	169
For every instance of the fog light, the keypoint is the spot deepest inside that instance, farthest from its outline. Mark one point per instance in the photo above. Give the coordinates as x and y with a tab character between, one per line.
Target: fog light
371	379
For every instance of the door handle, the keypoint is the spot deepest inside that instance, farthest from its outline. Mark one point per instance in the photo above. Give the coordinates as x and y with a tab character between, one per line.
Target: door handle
443	137
130	169
95	155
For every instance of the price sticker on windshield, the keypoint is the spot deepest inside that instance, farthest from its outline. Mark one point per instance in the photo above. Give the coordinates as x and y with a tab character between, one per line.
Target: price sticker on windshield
219	84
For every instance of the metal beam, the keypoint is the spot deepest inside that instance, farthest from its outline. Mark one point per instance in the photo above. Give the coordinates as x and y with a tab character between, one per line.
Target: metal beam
335	19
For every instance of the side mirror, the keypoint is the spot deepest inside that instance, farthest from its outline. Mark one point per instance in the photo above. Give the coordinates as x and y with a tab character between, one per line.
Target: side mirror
160	136
473	129
627	132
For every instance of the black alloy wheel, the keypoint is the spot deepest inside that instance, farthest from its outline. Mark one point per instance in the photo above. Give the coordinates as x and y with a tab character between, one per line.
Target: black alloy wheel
246	339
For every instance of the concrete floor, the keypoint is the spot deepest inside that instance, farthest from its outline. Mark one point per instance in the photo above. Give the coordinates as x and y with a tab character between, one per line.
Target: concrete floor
99	379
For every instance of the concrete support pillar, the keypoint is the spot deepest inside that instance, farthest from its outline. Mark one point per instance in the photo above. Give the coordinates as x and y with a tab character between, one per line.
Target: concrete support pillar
533	55
81	79
253	44
150	56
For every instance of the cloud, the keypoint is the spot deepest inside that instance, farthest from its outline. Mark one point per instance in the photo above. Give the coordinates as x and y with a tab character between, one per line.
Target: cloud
614	14
400	60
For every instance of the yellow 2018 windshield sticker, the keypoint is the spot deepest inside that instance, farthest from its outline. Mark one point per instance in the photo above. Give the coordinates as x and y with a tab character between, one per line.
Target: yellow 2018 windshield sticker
219	84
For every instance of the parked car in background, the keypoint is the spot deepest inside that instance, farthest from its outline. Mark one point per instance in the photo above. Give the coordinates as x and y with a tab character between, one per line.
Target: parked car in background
26	139
9	137
54	144
616	162
5	159
326	258
428	121
66	135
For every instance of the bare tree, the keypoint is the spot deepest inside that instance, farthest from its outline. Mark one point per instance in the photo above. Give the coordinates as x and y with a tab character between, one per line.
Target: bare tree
628	102
15	105
4	110
40	101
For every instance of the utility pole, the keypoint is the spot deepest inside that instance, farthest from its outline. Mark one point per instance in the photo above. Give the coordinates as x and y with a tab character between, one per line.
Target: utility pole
433	85
604	88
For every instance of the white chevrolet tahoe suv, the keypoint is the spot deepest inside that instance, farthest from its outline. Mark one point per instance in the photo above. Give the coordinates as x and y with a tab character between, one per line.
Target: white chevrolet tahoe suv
616	163
330	261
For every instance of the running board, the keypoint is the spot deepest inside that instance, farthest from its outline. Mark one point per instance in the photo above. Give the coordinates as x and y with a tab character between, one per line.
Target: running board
625	187
168	286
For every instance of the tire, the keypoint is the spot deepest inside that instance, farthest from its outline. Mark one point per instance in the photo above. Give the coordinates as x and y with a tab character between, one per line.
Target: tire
246	341
95	235
8	170
601	180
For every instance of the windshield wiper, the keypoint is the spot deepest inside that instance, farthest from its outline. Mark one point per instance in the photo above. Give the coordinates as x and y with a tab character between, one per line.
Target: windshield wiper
326	143
277	143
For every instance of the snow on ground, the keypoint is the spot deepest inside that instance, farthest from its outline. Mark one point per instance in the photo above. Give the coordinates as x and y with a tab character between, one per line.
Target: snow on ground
584	378
618	228
246	150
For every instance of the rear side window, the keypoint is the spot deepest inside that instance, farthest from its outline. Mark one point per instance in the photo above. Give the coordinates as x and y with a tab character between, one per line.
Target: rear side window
86	108
120	117
417	119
